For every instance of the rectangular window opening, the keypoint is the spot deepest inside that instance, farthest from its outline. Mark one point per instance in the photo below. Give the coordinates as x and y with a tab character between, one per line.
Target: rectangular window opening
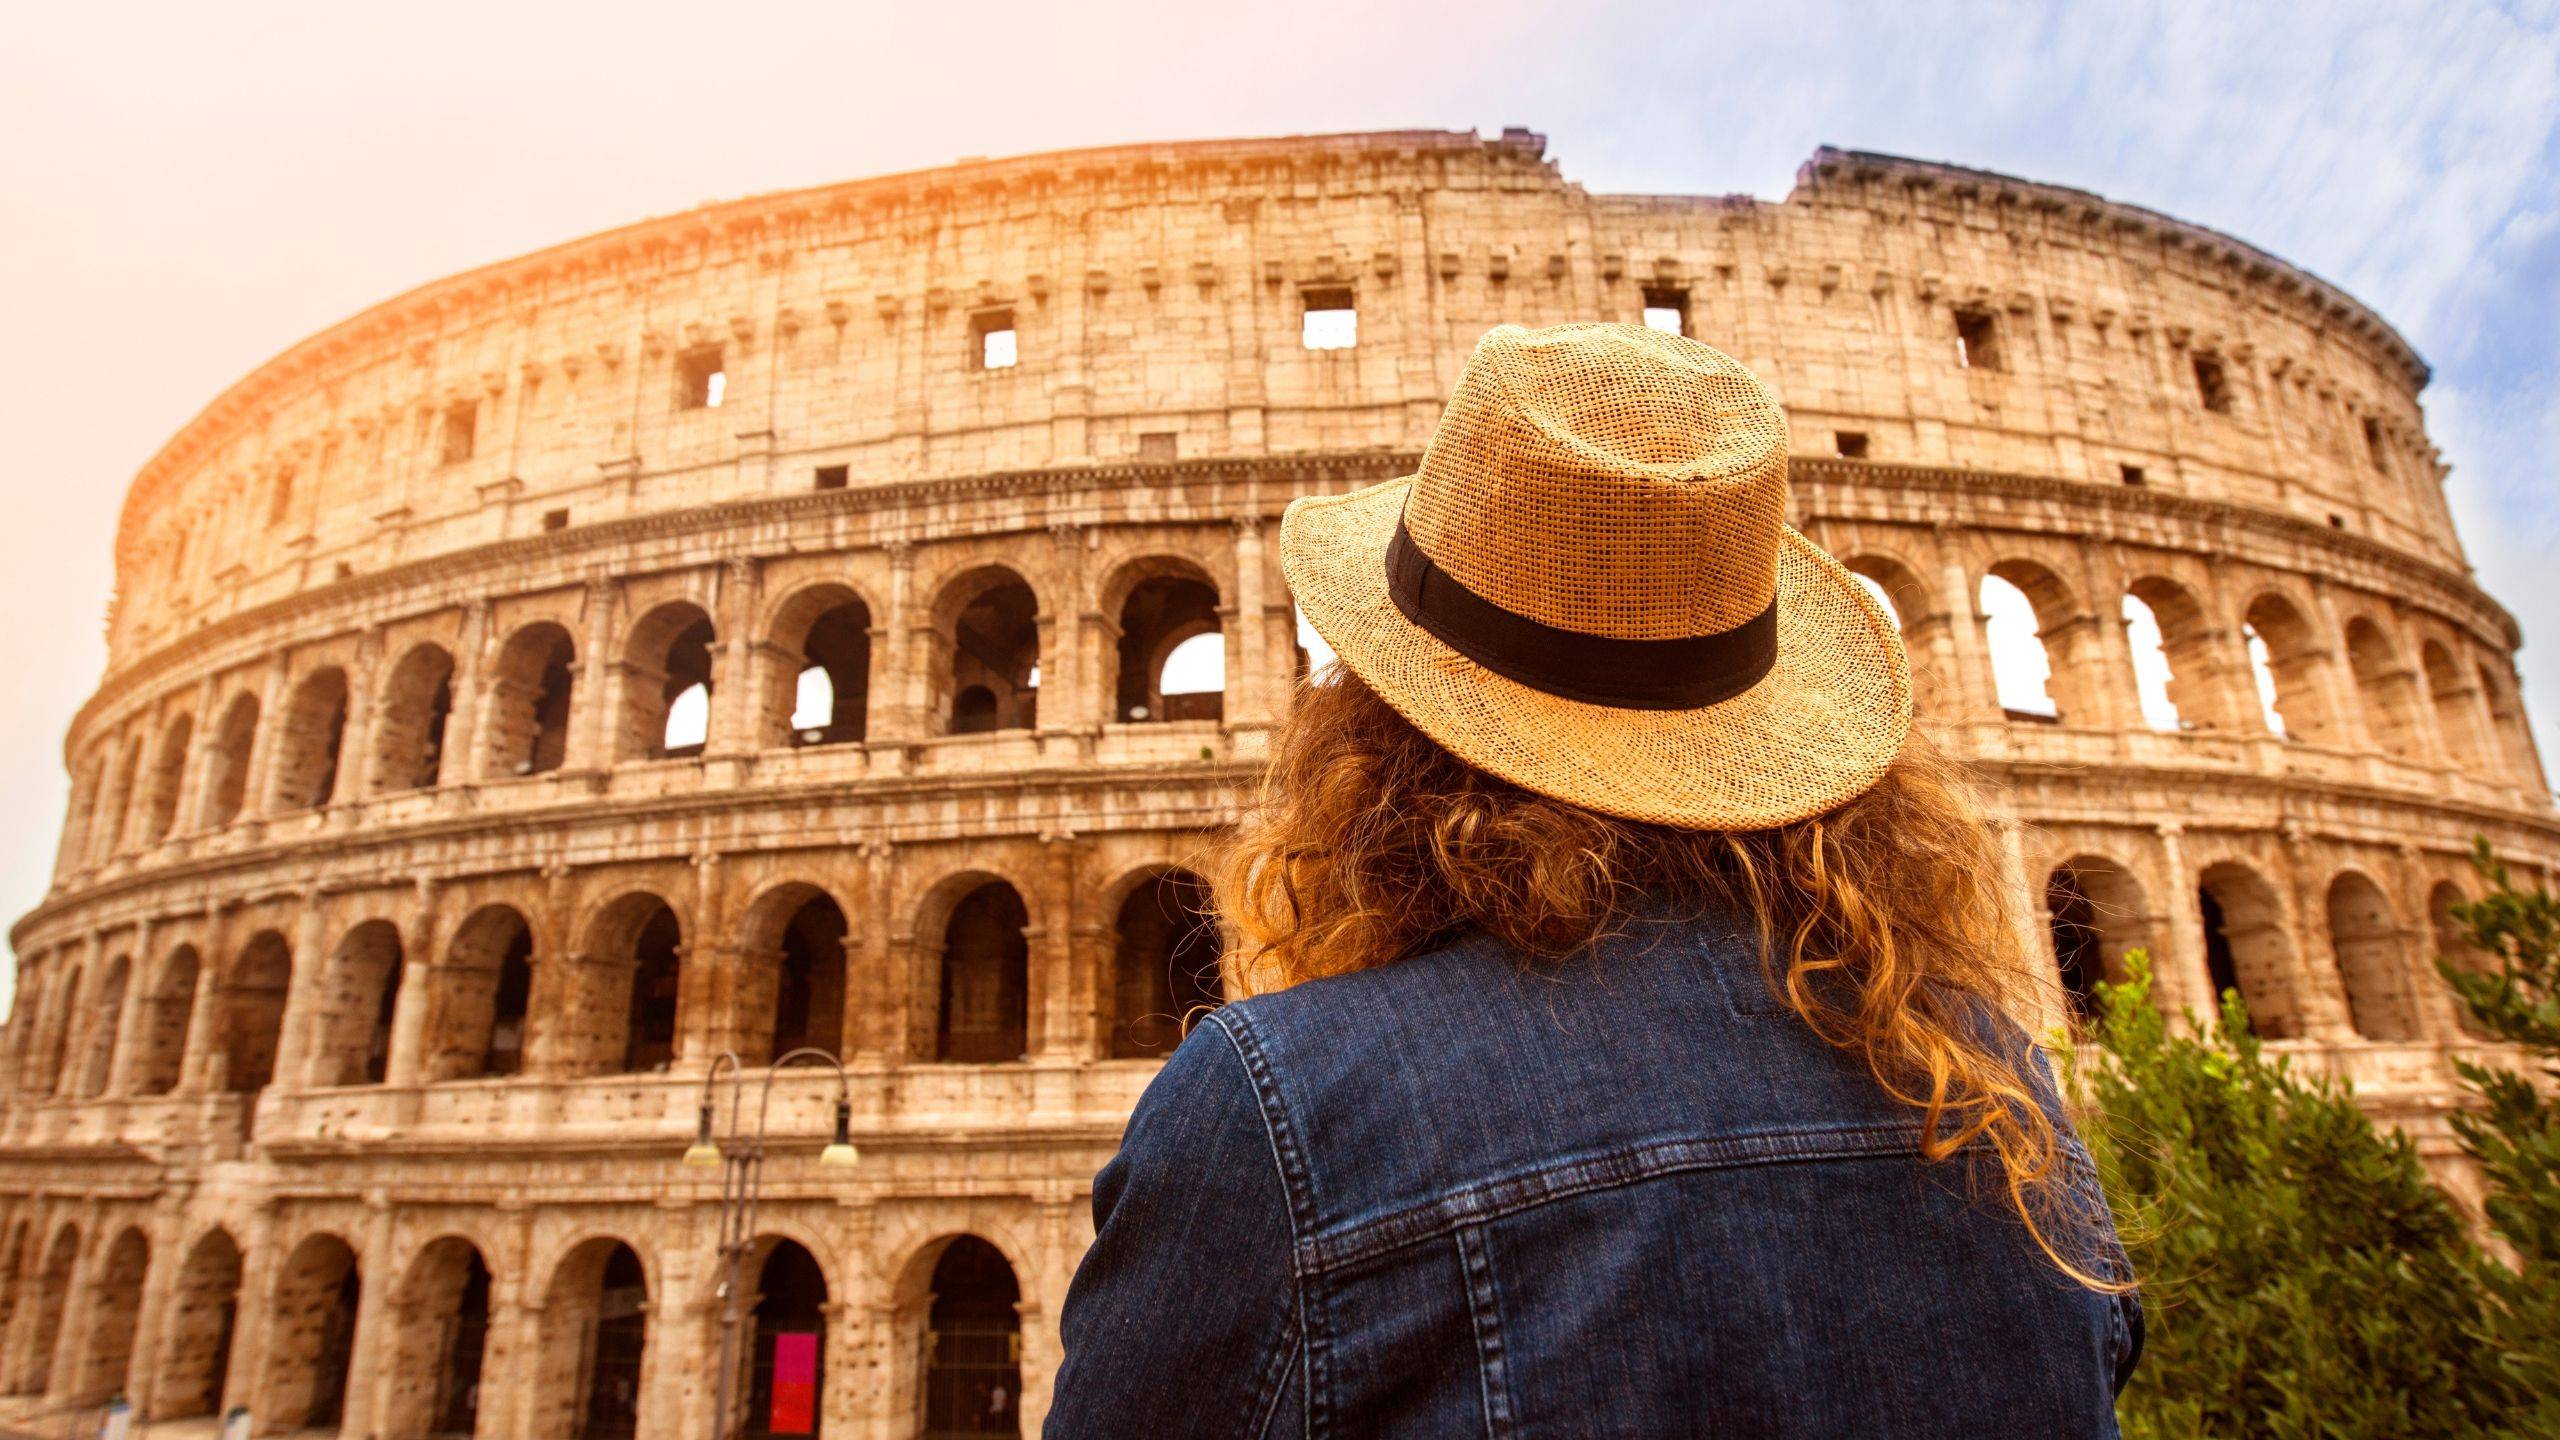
1331	322
555	519
461	423
993	339
1156	447
2373	442
701	381
833	477
1852	444
2132	474
1977	340
1666	308
2213	386
280	499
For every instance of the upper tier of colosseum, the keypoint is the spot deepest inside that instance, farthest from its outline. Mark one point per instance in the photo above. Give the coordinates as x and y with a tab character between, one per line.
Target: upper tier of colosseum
1156	295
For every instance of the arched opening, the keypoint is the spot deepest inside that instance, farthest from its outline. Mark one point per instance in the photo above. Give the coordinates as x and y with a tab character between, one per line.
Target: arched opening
54	1078
53	1289
620	1012
359	994
2152	672
986	978
253	1012
1315	658
1162	615
195	1346
595	1345
994	675
2034	633
530	690
2096	913
822	687
168	779
973	1345
314	728
656	978
476	1025
311	1337
1164	964
666	684
2364	936
168	1013
2453	944
2457	708
442	1313
2383	687
786	1380
409	731
105	1341
2178	659
2290	662
226	787
808	1003
2506	718
115	803
106	1012
2248	948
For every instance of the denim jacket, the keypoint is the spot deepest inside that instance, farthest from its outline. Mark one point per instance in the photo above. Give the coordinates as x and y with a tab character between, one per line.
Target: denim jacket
1630	1194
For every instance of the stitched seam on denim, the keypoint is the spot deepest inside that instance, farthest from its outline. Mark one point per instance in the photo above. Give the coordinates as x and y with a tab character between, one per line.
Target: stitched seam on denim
1293	1183
1608	1171
1270	1403
1493	1372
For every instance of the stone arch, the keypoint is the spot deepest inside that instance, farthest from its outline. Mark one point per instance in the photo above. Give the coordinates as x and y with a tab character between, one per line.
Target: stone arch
2384	687
79	816
480	1003
226	761
784	1388
819	692
359	991
987	664
167	779
792	973
1157	604
970	1341
1897	586
2177	656
110	828
310	1337
252	1012
440	1317
532	686
984	1013
2507	722
1164	962
666	658
624	1007
311	732
52	1075
2373	964
105	1339
2060	636
2293	664
2249	947
196	1336
2455	700
168	1013
52	1291
411	719
2095	912
106	1022
590	1368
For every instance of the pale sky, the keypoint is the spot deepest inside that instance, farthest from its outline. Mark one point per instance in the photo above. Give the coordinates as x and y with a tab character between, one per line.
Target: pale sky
187	190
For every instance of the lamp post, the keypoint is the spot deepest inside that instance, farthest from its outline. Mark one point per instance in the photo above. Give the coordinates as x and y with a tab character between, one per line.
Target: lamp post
740	1158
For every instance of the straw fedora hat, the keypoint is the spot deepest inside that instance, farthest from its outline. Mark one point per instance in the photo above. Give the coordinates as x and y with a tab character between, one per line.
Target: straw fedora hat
1590	589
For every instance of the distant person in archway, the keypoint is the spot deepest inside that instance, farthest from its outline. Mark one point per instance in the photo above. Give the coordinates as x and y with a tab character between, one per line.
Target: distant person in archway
1625	1048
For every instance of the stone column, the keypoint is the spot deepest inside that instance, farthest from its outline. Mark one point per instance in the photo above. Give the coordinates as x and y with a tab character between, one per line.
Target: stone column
705	1008
893	655
737	701
300	1047
872	995
151	1320
460	763
2317	983
679	1376
1058	1030
419	965
259	786
1977	694
2181	982
369	1359
593	736
204	1021
1069	677
358	763
129	1016
1248	643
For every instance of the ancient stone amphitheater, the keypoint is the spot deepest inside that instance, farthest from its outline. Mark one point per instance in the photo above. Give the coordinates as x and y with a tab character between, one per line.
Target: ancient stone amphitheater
779	625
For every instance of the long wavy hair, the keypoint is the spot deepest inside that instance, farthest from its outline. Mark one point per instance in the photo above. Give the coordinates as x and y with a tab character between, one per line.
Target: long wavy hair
1881	922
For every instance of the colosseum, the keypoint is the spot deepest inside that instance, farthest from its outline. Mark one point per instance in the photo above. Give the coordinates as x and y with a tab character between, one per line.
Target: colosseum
830	625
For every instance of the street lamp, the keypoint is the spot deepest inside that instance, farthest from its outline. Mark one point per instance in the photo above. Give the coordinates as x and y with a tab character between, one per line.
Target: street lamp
740	1158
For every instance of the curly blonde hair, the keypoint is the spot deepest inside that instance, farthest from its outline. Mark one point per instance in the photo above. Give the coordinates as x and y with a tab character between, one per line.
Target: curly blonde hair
1881	922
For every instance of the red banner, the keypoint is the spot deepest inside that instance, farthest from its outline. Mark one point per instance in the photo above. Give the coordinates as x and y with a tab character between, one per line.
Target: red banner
795	1385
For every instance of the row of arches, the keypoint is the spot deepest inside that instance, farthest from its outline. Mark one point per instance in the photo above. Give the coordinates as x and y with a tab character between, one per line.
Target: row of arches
2378	982
812	680
633	996
2183	666
439	1338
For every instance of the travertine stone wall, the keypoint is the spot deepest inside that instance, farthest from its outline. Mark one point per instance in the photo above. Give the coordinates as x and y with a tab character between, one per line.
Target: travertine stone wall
397	927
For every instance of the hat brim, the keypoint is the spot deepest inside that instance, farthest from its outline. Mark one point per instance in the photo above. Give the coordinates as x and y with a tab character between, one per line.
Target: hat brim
1820	728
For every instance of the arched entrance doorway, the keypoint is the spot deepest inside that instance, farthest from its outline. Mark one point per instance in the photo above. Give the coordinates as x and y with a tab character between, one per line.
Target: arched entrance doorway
986	969
442	1311
1164	964
595	1344
973	1345
311	1338
786	1359
204	1315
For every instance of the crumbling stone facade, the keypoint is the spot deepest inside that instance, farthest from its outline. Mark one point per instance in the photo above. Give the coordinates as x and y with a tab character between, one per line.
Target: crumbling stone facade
751	629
